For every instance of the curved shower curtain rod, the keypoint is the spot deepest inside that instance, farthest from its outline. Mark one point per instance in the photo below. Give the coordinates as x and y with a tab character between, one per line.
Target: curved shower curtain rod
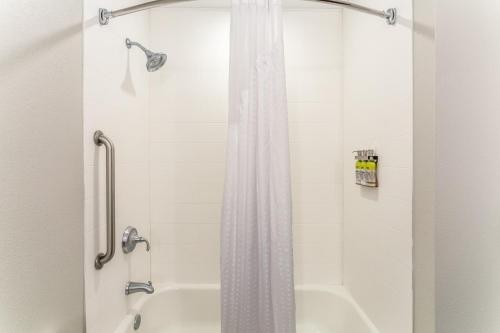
390	15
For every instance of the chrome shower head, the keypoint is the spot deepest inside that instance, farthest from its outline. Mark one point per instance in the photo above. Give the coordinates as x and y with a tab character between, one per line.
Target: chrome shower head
154	60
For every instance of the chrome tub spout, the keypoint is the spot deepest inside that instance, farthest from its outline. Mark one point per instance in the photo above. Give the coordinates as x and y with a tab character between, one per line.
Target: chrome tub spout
139	287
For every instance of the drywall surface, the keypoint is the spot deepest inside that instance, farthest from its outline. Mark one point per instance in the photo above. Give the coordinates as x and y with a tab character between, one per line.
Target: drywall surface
41	200
424	165
467	205
378	115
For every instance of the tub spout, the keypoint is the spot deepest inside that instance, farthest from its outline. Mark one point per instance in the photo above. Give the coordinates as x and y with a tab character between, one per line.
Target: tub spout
139	287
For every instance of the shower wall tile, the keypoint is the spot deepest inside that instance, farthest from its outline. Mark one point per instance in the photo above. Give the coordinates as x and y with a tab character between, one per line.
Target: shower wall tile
193	47
315	233
304	172
186	233
186	263
205	87
116	98
378	114
311	40
188	132
188	122
188	172
190	112
313	112
186	192
318	133
314	265
316	213
187	152
314	84
132	199
165	212
312	193
187	137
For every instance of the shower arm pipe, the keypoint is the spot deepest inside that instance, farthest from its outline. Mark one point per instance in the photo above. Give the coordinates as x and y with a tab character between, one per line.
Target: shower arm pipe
390	15
129	44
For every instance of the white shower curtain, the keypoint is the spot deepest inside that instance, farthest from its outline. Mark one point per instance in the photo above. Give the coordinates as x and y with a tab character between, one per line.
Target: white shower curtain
256	253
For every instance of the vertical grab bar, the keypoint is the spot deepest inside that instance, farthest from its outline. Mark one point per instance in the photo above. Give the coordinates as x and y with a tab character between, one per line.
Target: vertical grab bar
102	258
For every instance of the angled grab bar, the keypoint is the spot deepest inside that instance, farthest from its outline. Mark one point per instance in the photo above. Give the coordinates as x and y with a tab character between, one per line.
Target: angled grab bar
103	258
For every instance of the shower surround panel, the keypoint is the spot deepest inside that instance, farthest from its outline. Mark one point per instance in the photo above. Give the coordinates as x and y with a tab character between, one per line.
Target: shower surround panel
378	114
189	105
170	131
116	99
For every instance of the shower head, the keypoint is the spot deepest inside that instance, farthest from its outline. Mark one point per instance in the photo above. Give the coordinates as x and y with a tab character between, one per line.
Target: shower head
154	60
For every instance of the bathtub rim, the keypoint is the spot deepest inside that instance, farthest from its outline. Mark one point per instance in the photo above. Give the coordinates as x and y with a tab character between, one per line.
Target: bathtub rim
336	290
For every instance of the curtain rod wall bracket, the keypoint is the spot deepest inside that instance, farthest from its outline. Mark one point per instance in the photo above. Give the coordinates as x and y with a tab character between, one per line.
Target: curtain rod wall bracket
104	16
391	16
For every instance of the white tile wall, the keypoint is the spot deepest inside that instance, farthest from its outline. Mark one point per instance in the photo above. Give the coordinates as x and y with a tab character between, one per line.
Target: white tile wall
314	80
188	134
116	98
378	114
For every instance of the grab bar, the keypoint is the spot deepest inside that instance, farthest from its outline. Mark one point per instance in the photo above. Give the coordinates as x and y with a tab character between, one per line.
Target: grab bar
101	259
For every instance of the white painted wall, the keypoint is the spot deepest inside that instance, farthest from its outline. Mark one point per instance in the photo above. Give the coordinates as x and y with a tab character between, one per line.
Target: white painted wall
424	165
378	115
188	134
467	128
116	99
41	199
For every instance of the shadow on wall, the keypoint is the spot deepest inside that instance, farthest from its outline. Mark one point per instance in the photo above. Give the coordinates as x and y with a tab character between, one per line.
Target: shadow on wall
96	207
128	84
369	193
15	60
423	29
418	27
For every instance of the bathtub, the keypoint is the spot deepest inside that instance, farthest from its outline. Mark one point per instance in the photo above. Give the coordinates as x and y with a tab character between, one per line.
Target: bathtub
195	309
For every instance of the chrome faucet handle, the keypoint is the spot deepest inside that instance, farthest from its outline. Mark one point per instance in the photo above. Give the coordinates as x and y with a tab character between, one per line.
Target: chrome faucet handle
130	239
139	239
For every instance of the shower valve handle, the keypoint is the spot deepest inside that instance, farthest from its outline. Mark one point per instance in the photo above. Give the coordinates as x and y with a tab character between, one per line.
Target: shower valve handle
131	238
139	239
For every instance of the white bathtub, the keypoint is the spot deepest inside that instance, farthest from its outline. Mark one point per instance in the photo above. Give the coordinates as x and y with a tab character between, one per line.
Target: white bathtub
195	309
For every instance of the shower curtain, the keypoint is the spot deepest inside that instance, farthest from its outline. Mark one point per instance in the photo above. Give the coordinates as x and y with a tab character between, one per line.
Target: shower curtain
257	291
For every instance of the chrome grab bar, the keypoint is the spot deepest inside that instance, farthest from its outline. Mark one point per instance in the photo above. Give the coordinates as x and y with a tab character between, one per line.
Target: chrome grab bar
103	258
